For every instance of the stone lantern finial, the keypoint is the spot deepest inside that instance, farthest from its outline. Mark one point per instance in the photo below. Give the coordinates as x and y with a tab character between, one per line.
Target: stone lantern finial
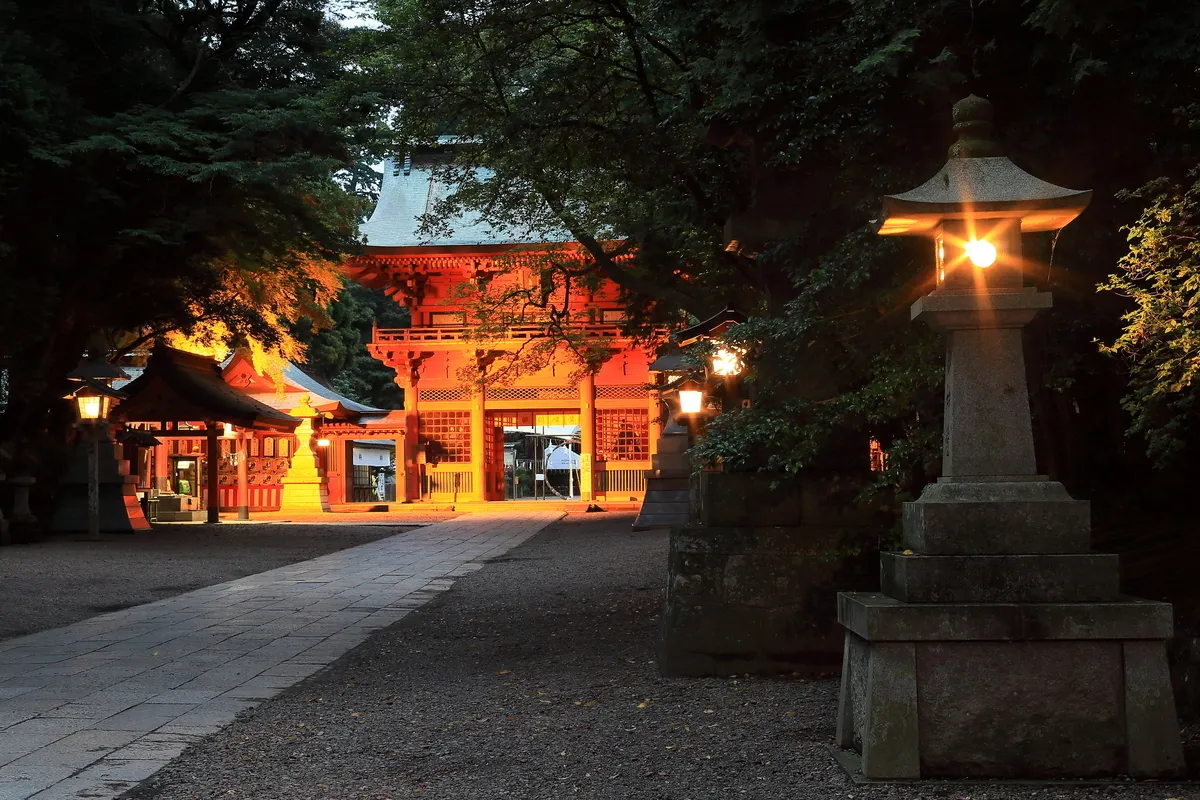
973	124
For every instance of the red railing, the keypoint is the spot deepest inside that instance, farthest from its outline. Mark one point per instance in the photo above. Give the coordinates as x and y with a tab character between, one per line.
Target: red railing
458	333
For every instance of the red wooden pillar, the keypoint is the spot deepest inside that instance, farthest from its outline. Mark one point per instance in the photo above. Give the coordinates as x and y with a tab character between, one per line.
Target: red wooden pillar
406	449
587	438
243	476
479	454
339	470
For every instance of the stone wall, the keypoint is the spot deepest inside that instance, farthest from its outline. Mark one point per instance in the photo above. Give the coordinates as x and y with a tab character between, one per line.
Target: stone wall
753	580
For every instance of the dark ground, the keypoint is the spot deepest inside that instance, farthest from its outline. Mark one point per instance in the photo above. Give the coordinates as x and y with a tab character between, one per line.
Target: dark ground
66	578
535	678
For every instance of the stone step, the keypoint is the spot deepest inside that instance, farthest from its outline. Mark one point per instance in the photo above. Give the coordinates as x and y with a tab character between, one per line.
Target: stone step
656	495
678	509
656	480
645	521
1033	578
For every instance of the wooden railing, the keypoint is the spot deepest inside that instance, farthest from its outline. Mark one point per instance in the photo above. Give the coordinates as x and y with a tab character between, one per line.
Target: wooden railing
448	485
621	478
458	333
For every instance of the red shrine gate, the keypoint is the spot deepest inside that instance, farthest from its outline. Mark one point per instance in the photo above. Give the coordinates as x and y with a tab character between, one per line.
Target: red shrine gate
450	439
452	442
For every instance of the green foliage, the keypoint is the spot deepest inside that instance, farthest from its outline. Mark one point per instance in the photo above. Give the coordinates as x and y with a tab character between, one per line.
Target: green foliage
338	354
641	128
155	152
1161	340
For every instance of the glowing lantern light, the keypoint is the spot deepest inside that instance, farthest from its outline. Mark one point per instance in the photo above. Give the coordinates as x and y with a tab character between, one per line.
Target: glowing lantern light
90	408
322	443
981	252
691	397
691	401
727	361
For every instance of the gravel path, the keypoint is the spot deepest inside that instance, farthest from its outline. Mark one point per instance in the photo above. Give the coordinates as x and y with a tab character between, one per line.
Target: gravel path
65	579
535	678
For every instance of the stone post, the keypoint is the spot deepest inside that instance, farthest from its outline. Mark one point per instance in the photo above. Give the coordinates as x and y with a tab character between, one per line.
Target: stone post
5	534
22	513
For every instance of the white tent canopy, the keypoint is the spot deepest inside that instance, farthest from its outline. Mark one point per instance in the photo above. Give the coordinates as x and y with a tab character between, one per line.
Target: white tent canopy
561	457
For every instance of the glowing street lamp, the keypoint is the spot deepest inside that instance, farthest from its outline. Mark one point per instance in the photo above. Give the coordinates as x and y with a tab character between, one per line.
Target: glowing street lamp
727	361
691	397
93	398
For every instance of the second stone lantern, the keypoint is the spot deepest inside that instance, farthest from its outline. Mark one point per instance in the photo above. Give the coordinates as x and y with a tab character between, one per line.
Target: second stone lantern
999	646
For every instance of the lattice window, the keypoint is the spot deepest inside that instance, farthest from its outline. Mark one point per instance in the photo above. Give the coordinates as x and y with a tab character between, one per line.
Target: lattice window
450	434
623	434
621	392
442	395
533	393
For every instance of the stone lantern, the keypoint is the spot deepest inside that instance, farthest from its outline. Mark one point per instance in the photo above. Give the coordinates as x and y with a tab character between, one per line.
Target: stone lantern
999	646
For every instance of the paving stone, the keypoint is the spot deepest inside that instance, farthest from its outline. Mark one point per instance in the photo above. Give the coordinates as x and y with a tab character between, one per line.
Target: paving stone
92	708
127	771
147	716
18	783
186	696
77	750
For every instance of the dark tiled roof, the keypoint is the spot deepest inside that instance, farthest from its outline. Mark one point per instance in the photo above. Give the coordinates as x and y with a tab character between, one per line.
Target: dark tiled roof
177	386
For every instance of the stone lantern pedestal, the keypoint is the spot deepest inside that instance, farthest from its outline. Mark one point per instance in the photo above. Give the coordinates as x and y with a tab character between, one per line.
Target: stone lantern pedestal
999	646
304	487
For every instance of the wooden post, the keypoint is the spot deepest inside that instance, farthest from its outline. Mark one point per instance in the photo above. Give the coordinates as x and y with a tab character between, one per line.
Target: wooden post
478	446
656	424
93	481
337	469
212	466
243	476
587	438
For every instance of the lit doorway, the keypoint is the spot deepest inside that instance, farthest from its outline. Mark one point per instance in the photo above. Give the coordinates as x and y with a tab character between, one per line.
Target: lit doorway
373	465
541	455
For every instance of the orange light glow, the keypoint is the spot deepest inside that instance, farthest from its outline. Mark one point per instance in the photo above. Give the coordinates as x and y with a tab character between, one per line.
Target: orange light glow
980	252
322	443
728	361
89	407
690	401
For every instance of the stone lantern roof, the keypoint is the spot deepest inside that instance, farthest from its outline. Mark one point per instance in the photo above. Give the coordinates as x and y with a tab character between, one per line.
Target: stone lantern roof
979	182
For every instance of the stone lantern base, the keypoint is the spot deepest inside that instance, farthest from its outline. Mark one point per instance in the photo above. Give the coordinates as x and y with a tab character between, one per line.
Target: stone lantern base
1024	662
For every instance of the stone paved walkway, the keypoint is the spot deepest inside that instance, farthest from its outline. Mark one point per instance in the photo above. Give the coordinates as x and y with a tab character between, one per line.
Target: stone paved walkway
90	709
